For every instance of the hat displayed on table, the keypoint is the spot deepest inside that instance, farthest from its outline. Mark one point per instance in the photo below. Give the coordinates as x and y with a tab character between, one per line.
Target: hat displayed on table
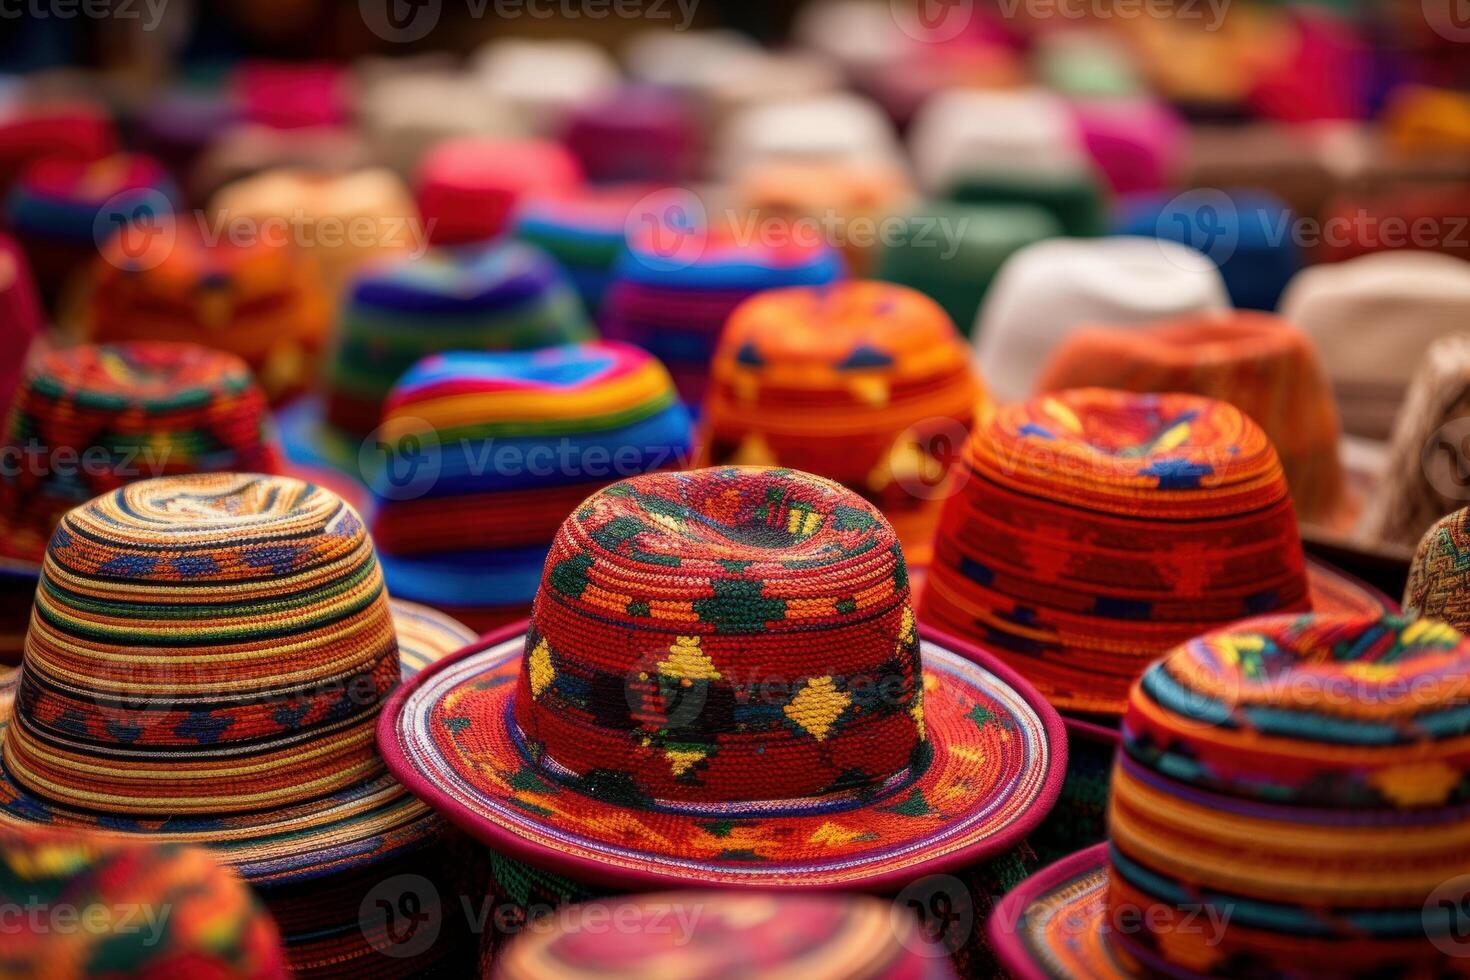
543	81
84	906
622	736
148	708
63	210
1137	142
636	133
1247	233
524	436
1092	530
75	129
584	230
404	116
1008	147
837	128
504	297
852	207
246	150
1423	475
88	419
1436	587
1260	363
856	382
294	95
342	221
1373	319
673	302
952	252
262	300
1286	803
1045	291
21	318
819	937
468	188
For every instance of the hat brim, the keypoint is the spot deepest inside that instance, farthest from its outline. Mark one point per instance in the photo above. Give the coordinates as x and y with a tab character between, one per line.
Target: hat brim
1051	925
999	757
354	828
1336	593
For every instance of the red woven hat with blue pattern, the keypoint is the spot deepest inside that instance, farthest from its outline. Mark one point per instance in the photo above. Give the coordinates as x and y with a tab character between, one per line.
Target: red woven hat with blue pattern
722	682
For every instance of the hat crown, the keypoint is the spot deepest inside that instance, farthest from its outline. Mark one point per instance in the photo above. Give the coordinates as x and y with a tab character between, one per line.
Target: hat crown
1303	743
204	644
724	636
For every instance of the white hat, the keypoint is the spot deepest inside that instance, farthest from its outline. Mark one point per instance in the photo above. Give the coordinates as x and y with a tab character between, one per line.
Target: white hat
839	128
969	132
1045	291
859	35
543	81
1373	318
404	116
684	59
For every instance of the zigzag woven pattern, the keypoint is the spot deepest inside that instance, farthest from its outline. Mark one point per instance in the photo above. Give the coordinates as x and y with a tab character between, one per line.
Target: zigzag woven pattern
524	436
1093	530
856	382
1263	765
503	297
169	911
1437	579
179	594
89	419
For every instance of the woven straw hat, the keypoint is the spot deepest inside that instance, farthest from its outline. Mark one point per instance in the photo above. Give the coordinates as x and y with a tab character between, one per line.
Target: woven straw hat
865	383
1092	530
1373	319
206	662
1286	802
1047	290
722	684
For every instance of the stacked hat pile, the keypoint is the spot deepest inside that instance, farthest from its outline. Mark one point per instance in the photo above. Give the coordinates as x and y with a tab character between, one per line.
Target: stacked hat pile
865	383
505	297
261	300
89	419
62	210
524	437
150	706
1096	529
468	188
85	906
675	286
585	230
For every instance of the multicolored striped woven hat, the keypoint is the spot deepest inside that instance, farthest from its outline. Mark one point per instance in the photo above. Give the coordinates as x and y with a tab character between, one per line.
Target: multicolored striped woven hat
504	297
263	301
467	189
721	936
865	383
1260	363
1289	801
81	906
89	419
523	438
585	230
1093	530
1437	579
722	683
674	288
206	662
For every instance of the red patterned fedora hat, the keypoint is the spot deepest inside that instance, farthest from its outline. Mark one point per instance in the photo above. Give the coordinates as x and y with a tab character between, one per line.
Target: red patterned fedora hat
722	684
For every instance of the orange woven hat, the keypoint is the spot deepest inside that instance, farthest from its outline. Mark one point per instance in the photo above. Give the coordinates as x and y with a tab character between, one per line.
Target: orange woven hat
865	383
1257	362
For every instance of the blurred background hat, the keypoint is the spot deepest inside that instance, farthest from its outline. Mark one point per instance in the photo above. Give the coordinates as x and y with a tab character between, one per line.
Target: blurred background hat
75	129
584	230
636	133
403	116
1136	141
468	188
833	128
248	149
543	81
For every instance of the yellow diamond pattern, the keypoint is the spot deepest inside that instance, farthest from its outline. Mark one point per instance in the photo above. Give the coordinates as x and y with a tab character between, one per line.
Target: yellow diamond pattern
816	706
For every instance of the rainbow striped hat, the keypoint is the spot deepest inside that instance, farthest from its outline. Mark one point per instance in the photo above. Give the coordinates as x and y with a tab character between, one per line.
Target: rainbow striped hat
488	452
1289	801
205	664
